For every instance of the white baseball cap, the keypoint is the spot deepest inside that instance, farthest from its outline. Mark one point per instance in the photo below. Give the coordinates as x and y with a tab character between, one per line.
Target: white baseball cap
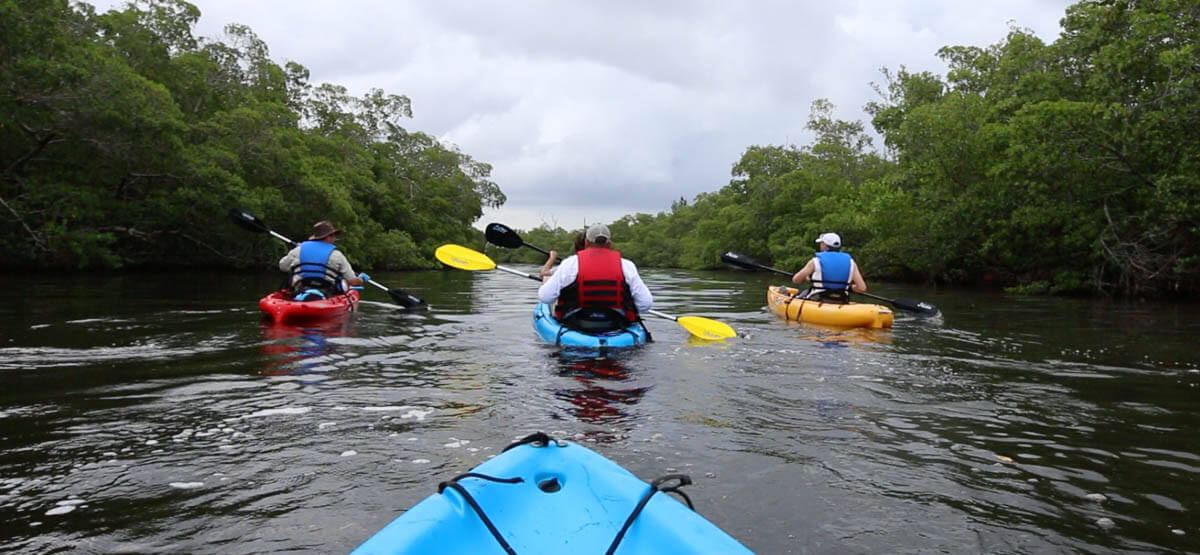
831	239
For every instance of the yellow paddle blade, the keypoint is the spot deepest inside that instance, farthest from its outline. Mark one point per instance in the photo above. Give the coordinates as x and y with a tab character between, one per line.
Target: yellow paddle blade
463	258
706	328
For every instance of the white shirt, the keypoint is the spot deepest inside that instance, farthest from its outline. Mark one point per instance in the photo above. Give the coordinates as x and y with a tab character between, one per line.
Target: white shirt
566	273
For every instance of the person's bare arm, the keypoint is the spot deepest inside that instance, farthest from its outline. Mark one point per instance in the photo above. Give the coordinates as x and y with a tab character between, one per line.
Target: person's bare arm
804	272
548	268
857	283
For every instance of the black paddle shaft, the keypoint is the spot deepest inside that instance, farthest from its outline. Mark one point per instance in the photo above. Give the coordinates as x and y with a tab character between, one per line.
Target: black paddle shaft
248	221
747	262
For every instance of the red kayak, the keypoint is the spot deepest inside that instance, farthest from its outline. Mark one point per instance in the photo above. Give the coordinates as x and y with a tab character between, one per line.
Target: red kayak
281	308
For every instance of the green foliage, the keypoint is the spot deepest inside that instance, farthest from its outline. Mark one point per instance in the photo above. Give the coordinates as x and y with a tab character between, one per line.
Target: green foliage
1056	169
124	139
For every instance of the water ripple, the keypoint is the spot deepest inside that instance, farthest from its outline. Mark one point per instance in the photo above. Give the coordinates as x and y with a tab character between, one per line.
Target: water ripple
1008	425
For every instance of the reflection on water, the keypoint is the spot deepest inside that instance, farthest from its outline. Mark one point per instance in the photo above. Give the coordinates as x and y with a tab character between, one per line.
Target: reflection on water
299	348
163	416
602	393
833	336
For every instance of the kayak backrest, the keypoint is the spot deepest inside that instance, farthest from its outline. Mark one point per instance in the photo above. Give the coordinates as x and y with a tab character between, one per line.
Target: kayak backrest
594	320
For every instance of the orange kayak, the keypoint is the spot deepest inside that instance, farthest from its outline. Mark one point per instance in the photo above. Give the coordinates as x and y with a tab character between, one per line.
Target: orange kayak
281	308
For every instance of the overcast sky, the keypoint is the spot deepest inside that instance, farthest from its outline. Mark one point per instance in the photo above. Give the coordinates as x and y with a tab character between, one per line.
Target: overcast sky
588	111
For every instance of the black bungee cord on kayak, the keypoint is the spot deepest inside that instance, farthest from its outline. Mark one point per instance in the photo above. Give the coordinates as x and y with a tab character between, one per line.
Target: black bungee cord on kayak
537	439
684	480
453	484
562	330
541	439
649	337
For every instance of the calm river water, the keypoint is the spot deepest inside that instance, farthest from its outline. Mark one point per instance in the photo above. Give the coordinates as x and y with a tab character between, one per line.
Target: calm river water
159	414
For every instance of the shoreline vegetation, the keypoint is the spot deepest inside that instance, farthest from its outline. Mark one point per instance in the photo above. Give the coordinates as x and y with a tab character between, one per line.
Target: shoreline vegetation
1063	168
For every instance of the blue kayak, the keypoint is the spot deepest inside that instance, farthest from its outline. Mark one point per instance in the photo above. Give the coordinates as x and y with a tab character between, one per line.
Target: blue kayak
545	496
552	331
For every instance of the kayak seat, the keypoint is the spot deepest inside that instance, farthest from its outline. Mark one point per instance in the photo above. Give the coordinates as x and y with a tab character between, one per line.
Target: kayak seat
309	295
830	296
827	296
594	320
313	289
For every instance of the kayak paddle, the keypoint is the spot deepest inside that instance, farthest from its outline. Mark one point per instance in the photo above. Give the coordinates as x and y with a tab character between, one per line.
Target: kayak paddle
249	222
461	257
503	236
921	308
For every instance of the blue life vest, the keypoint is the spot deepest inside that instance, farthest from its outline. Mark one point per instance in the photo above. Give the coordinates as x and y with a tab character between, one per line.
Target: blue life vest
835	271
314	260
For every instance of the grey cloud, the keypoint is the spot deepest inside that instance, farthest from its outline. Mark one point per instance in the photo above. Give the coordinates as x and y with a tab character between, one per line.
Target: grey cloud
622	106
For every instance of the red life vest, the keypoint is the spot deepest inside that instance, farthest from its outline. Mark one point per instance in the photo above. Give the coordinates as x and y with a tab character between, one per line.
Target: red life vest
600	284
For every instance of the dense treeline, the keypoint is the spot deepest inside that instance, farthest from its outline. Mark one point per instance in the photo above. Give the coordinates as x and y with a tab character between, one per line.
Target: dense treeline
124	139
1063	167
1068	167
